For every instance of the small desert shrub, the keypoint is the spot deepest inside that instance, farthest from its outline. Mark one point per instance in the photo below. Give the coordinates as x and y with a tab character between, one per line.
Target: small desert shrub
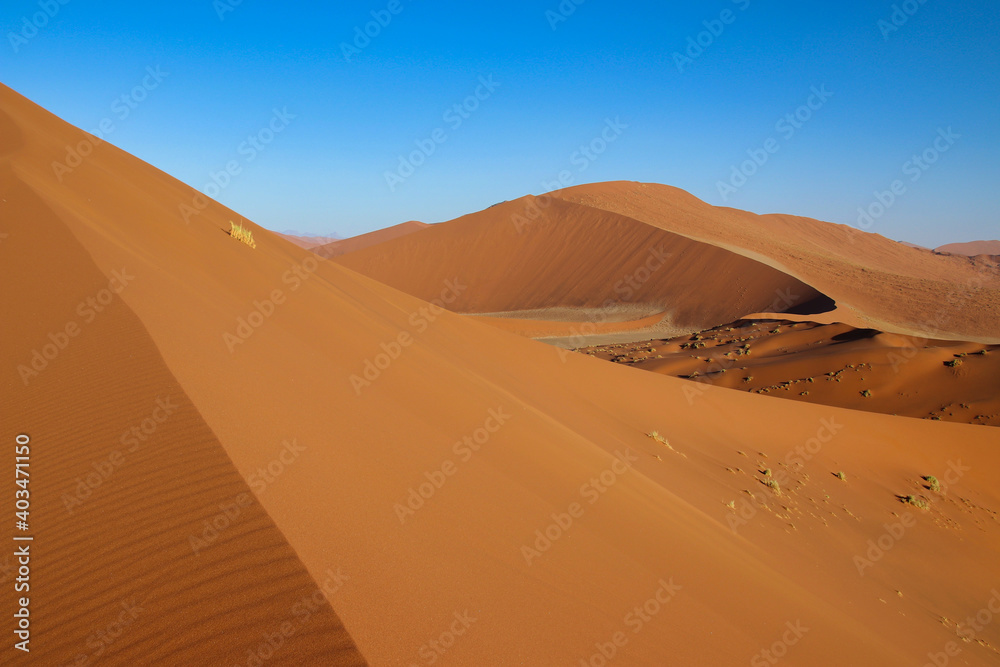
241	233
773	485
932	483
919	503
954	363
842	476
866	393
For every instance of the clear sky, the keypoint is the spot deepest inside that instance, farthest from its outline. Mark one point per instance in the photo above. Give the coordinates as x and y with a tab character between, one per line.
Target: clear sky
924	83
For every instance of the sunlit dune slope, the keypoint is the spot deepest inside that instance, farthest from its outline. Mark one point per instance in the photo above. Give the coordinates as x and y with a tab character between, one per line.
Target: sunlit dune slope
344	246
831	364
887	285
565	255
488	499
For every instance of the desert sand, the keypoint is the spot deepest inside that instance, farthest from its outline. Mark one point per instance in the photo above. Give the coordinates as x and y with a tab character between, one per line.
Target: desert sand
446	491
831	364
972	248
344	246
308	242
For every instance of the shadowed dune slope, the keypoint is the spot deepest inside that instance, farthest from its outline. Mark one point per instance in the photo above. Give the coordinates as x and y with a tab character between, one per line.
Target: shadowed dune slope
888	285
494	500
115	578
575	256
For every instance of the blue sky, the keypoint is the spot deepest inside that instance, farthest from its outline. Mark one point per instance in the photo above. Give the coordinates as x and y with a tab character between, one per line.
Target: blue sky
559	76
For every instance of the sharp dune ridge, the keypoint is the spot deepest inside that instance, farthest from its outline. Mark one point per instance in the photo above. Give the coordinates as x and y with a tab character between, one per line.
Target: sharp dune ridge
555	529
344	246
567	255
883	284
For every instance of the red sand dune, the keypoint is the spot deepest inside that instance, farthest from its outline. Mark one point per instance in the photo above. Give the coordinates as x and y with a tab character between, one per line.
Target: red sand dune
343	246
307	242
831	364
972	248
884	284
551	527
573	256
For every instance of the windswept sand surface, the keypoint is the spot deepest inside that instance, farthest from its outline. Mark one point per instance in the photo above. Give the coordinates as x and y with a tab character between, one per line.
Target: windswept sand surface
482	499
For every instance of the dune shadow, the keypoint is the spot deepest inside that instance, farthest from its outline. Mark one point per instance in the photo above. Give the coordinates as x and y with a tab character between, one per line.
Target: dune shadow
820	303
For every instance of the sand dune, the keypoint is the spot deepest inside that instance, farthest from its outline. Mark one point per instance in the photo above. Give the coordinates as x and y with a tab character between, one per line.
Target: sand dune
491	500
886	285
125	478
578	257
831	364
307	242
971	248
344	246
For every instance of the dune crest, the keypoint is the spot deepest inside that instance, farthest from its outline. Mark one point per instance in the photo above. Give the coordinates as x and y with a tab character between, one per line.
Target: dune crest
490	500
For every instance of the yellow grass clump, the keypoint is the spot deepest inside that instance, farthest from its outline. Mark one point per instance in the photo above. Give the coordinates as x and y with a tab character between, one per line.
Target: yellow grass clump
241	233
